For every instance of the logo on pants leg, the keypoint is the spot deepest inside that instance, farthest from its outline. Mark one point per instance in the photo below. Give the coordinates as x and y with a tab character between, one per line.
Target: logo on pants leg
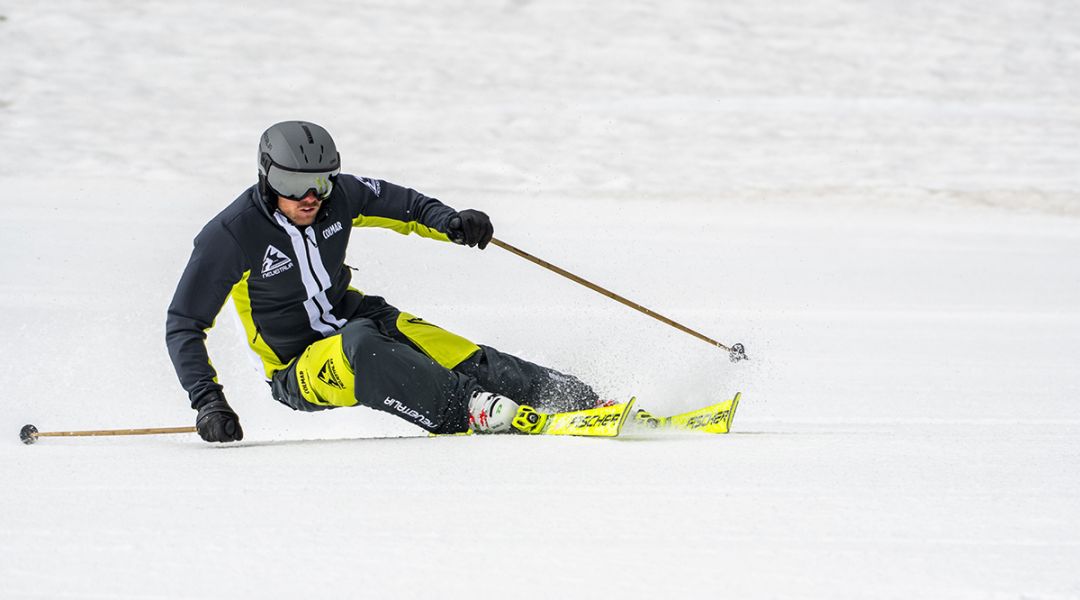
328	375
409	413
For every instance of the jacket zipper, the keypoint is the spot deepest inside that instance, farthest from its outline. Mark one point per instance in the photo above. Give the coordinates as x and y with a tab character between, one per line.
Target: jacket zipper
314	276
310	263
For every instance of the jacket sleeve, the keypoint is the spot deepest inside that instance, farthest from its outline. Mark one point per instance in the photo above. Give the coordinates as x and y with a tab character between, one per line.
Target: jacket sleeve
215	266
377	203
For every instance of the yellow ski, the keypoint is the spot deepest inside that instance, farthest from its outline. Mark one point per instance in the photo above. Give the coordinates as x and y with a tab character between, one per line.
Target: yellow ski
608	421
605	421
715	418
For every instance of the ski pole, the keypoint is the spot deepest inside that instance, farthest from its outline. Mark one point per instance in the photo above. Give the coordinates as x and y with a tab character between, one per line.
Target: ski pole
29	434
736	351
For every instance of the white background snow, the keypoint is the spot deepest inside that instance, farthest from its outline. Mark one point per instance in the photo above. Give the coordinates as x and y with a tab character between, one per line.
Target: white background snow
880	199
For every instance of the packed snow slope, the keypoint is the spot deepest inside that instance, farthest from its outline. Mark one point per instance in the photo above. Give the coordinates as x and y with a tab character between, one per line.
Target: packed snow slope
880	199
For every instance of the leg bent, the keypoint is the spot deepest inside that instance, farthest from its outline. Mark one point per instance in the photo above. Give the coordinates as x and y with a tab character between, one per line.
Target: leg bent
362	366
498	372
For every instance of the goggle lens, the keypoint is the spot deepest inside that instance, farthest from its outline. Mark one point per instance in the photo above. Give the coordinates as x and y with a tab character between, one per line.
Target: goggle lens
295	185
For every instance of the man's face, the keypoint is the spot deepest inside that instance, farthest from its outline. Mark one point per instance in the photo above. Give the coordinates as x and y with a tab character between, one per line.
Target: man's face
301	212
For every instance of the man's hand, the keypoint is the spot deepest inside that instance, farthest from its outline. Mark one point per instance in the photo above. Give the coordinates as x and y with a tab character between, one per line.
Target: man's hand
471	228
216	421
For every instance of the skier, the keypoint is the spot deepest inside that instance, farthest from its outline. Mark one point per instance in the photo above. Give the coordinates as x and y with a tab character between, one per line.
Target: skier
279	251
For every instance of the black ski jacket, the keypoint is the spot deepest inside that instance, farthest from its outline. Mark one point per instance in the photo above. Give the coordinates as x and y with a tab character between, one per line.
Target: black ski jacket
290	284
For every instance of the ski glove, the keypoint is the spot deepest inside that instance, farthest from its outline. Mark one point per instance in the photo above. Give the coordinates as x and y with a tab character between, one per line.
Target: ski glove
471	228
216	421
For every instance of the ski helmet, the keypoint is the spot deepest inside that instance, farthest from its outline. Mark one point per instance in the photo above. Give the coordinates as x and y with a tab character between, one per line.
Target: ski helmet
297	157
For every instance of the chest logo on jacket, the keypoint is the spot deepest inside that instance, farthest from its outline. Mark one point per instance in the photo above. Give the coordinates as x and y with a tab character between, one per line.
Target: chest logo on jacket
275	261
331	230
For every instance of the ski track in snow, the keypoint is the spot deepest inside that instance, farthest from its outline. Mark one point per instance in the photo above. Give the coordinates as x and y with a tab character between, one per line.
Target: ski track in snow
880	200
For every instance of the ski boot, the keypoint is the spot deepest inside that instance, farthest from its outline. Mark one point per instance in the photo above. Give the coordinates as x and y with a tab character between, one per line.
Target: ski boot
491	413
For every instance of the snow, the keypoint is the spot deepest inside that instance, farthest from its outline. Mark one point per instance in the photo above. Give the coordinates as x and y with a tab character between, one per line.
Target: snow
879	199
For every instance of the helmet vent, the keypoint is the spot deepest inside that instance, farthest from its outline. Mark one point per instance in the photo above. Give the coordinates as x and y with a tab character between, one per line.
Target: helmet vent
297	146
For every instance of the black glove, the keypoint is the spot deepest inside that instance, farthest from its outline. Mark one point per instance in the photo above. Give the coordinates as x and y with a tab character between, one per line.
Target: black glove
216	421
471	228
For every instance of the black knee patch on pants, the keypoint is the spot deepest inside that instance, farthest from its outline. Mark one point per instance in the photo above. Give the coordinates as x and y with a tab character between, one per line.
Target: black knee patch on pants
527	383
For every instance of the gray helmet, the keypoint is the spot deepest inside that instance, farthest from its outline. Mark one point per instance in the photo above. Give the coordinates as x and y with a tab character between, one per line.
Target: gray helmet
297	157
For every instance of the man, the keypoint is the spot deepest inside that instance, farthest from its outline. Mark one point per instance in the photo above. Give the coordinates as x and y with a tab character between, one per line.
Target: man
279	251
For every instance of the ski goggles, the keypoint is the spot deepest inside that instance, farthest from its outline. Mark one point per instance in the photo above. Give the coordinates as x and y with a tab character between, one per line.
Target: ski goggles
295	185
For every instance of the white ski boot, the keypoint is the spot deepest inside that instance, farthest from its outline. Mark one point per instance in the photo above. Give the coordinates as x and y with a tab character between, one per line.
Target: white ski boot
491	413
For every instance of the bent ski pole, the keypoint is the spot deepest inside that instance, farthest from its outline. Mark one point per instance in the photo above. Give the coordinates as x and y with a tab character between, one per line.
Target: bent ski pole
29	434
736	351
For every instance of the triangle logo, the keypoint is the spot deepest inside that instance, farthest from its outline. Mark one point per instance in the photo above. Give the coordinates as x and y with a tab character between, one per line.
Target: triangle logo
274	261
328	375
